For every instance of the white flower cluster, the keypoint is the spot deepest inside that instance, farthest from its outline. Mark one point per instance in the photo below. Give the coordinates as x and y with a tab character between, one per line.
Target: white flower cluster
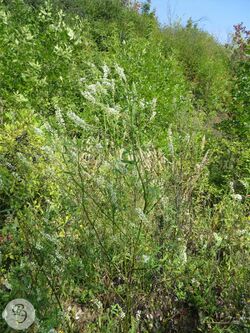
98	303
170	141
138	315
183	253
141	214
117	310
70	33
93	90
237	197
153	108
38	131
203	142
153	104
113	111
109	84
122	314
106	71
23	158
234	195
47	149
113	196
77	120
120	72
89	97
142	103
145	258
59	117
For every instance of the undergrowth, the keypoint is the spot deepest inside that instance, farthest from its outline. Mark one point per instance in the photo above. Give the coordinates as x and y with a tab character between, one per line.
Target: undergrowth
124	170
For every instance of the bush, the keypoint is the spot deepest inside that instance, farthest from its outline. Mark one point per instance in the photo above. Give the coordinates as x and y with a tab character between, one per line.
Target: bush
122	209
205	62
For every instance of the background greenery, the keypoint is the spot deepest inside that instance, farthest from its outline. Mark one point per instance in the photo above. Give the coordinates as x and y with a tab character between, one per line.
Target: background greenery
124	169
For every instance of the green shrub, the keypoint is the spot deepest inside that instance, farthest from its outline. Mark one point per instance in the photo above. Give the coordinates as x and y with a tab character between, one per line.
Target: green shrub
205	62
121	208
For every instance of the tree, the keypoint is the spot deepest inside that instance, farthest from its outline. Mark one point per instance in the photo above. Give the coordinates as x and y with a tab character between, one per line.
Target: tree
146	6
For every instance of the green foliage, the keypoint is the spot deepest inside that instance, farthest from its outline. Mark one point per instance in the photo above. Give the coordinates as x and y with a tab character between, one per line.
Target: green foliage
105	9
122	207
205	63
240	52
236	125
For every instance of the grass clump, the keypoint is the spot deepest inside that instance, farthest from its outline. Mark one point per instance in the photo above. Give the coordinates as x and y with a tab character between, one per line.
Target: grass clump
123	207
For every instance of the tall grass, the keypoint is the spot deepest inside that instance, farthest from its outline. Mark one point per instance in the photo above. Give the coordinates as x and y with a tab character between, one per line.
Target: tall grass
112	215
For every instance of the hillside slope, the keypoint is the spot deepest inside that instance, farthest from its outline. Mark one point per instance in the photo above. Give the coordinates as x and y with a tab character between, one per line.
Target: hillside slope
124	170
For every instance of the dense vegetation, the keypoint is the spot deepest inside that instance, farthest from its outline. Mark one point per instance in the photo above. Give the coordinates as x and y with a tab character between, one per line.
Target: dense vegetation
124	170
